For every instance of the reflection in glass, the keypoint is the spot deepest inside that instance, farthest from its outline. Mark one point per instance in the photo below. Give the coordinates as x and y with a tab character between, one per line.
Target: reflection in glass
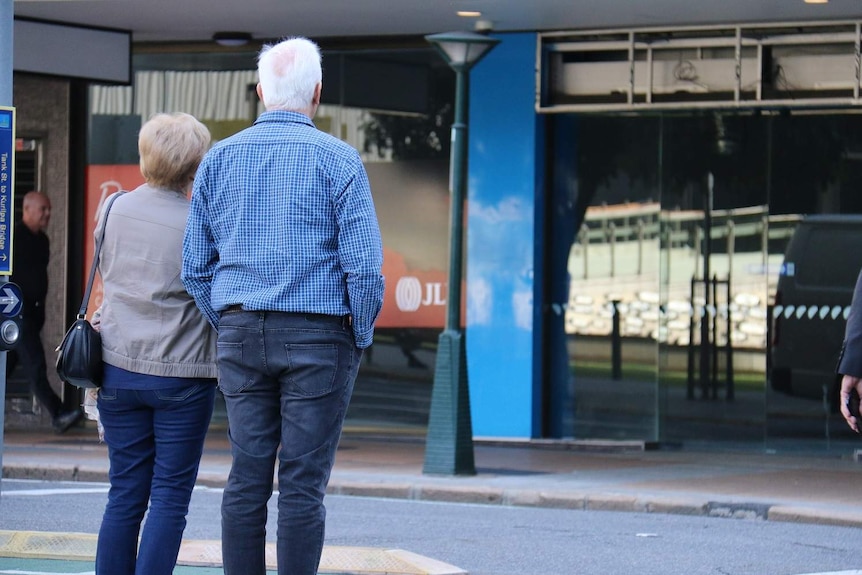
815	243
668	240
684	226
714	208
612	314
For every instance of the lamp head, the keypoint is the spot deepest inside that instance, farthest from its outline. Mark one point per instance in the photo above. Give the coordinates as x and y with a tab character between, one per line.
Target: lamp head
462	50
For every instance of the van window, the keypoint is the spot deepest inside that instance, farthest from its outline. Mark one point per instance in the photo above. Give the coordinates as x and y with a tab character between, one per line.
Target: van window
832	257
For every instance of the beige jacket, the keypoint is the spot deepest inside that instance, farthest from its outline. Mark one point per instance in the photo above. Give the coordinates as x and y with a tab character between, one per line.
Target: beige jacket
149	323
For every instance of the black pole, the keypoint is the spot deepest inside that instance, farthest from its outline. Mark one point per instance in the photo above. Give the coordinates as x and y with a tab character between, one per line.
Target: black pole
705	321
729	391
713	344
689	392
616	342
78	106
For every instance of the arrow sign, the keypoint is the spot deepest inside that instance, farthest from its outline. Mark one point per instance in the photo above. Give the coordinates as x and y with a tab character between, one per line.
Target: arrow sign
11	300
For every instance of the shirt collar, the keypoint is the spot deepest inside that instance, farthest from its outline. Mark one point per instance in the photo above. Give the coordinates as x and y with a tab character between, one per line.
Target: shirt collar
282	116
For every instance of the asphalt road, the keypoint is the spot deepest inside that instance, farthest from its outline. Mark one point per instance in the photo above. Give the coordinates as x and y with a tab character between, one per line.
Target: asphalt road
496	540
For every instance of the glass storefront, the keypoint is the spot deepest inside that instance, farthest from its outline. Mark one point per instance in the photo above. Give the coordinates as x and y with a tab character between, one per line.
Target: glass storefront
395	106
673	270
667	234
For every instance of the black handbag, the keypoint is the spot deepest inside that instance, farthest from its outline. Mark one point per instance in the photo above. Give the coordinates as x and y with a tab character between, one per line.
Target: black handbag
79	355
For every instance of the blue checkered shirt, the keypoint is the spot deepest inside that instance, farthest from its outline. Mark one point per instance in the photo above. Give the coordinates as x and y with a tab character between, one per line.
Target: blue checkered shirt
281	219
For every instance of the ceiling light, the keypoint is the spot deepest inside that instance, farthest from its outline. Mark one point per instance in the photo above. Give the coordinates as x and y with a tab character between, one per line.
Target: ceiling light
468	13
231	38
817	1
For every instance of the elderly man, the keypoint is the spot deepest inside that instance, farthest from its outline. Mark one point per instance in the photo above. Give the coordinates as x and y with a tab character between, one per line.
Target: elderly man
30	253
283	254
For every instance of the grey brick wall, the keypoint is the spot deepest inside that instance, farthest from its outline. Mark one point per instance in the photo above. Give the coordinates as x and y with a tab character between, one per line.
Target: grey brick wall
42	112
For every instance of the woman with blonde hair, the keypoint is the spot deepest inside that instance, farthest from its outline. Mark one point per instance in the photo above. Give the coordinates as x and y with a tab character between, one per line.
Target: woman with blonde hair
159	382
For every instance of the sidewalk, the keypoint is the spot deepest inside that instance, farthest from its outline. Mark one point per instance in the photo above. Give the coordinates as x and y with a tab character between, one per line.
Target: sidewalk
616	476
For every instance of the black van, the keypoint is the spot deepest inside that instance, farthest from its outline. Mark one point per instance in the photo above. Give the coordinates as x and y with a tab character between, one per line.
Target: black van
812	300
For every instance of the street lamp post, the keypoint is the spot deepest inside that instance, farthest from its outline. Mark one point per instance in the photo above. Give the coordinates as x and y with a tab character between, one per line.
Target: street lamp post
449	444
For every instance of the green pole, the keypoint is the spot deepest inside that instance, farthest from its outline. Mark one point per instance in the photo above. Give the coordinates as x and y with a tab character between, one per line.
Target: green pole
457	187
449	443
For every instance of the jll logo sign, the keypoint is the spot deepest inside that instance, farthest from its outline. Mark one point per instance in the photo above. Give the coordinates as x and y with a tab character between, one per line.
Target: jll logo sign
410	294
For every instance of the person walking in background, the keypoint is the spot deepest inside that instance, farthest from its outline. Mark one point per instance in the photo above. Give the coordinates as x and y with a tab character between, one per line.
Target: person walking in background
30	252
159	384
283	254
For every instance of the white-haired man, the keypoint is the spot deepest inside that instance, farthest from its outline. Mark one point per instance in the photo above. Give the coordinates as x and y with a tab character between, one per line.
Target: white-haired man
283	254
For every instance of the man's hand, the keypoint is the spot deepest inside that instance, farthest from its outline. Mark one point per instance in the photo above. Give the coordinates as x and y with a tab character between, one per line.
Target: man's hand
848	384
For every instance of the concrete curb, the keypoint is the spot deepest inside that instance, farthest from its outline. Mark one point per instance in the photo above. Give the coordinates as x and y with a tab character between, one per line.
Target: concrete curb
630	503
486	495
55	473
793	514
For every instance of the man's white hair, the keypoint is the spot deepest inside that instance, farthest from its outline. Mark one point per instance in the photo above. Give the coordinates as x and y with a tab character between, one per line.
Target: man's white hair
288	73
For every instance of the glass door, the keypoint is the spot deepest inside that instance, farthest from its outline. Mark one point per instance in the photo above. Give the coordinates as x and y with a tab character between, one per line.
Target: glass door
612	304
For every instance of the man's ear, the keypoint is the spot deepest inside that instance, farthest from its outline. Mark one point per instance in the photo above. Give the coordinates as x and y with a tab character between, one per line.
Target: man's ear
259	91
317	91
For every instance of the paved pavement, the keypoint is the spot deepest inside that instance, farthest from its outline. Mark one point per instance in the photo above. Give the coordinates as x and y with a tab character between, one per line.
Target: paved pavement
813	487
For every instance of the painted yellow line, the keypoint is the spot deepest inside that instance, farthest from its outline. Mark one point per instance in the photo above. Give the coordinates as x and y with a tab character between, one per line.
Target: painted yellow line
341	560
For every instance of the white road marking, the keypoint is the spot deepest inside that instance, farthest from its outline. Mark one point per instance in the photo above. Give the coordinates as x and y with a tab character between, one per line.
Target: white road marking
70	491
73	489
18	572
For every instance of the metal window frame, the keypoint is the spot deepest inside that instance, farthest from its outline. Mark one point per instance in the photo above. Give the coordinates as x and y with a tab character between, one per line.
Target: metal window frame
642	44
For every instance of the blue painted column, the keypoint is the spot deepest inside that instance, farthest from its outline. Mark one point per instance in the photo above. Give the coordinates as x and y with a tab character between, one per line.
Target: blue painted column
504	180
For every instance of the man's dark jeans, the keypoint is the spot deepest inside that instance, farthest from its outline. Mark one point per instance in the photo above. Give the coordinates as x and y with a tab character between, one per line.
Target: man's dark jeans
287	380
31	354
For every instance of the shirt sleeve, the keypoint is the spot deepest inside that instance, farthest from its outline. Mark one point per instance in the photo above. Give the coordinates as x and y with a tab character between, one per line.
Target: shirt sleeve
199	252
850	358
360	251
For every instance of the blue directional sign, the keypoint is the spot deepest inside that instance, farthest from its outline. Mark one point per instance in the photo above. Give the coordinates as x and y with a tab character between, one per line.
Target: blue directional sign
7	187
11	300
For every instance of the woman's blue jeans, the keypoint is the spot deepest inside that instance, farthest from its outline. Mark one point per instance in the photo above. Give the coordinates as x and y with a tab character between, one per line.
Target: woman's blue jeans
155	440
287	380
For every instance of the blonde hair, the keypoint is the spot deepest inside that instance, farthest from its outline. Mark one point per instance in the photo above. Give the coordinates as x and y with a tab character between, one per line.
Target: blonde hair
171	147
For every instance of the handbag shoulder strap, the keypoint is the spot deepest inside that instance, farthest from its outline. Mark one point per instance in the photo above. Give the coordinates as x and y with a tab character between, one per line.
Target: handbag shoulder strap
82	312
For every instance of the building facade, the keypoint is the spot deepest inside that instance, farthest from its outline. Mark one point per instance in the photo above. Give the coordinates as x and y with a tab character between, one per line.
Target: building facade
631	195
